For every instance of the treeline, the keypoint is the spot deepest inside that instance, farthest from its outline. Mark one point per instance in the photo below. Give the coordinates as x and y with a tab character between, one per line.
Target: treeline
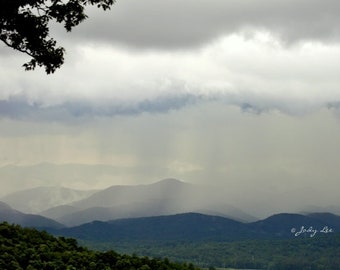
24	248
309	253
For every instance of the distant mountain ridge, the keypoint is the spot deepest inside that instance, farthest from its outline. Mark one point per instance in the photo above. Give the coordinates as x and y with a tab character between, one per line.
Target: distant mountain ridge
199	227
281	225
37	199
121	195
166	197
187	226
11	215
52	174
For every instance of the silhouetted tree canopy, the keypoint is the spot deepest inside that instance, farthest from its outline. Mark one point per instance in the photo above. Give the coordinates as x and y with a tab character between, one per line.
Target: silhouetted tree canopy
24	26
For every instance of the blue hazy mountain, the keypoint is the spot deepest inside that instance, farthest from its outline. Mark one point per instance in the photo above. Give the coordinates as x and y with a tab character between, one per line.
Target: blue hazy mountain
199	227
11	215
166	197
38	199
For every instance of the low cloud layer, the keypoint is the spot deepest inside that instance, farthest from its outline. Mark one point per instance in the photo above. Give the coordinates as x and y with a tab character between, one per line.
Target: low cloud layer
257	75
19	108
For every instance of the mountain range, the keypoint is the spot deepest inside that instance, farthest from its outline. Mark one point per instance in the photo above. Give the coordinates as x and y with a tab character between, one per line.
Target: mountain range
177	220
11	215
195	227
166	197
38	199
168	209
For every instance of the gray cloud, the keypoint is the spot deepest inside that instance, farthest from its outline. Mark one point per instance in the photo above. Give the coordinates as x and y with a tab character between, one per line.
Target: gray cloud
178	24
246	107
335	107
20	108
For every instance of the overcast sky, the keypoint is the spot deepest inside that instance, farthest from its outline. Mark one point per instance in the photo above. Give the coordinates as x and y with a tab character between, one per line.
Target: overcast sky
243	94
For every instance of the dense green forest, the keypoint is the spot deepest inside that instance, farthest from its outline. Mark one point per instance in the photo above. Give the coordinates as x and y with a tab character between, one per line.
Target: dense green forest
23	248
309	253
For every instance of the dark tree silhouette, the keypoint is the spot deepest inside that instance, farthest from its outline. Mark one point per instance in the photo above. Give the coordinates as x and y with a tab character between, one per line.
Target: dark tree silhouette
24	26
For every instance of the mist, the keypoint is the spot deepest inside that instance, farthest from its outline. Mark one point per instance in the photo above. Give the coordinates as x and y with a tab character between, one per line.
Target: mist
288	160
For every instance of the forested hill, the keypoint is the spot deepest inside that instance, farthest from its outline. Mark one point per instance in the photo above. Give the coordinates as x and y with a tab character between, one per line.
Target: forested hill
23	248
198	227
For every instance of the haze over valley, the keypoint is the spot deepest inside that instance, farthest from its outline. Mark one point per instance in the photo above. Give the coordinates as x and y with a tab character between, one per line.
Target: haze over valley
169	196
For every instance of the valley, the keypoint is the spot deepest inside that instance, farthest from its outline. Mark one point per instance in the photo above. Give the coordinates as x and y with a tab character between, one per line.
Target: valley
170	219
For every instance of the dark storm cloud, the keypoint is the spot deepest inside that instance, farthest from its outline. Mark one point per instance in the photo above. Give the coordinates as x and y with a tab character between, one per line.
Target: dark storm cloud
248	108
177	24
21	109
335	107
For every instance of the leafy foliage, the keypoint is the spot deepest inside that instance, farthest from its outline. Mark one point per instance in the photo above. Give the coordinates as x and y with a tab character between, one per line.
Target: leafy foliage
24	26
24	248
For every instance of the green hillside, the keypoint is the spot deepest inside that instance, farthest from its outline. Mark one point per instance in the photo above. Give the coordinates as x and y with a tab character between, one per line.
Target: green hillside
23	248
318	253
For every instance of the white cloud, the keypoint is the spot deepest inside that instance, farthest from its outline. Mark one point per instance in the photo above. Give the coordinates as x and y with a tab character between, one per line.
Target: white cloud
254	72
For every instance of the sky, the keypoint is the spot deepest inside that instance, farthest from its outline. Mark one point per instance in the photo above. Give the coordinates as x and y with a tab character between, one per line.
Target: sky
243	95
